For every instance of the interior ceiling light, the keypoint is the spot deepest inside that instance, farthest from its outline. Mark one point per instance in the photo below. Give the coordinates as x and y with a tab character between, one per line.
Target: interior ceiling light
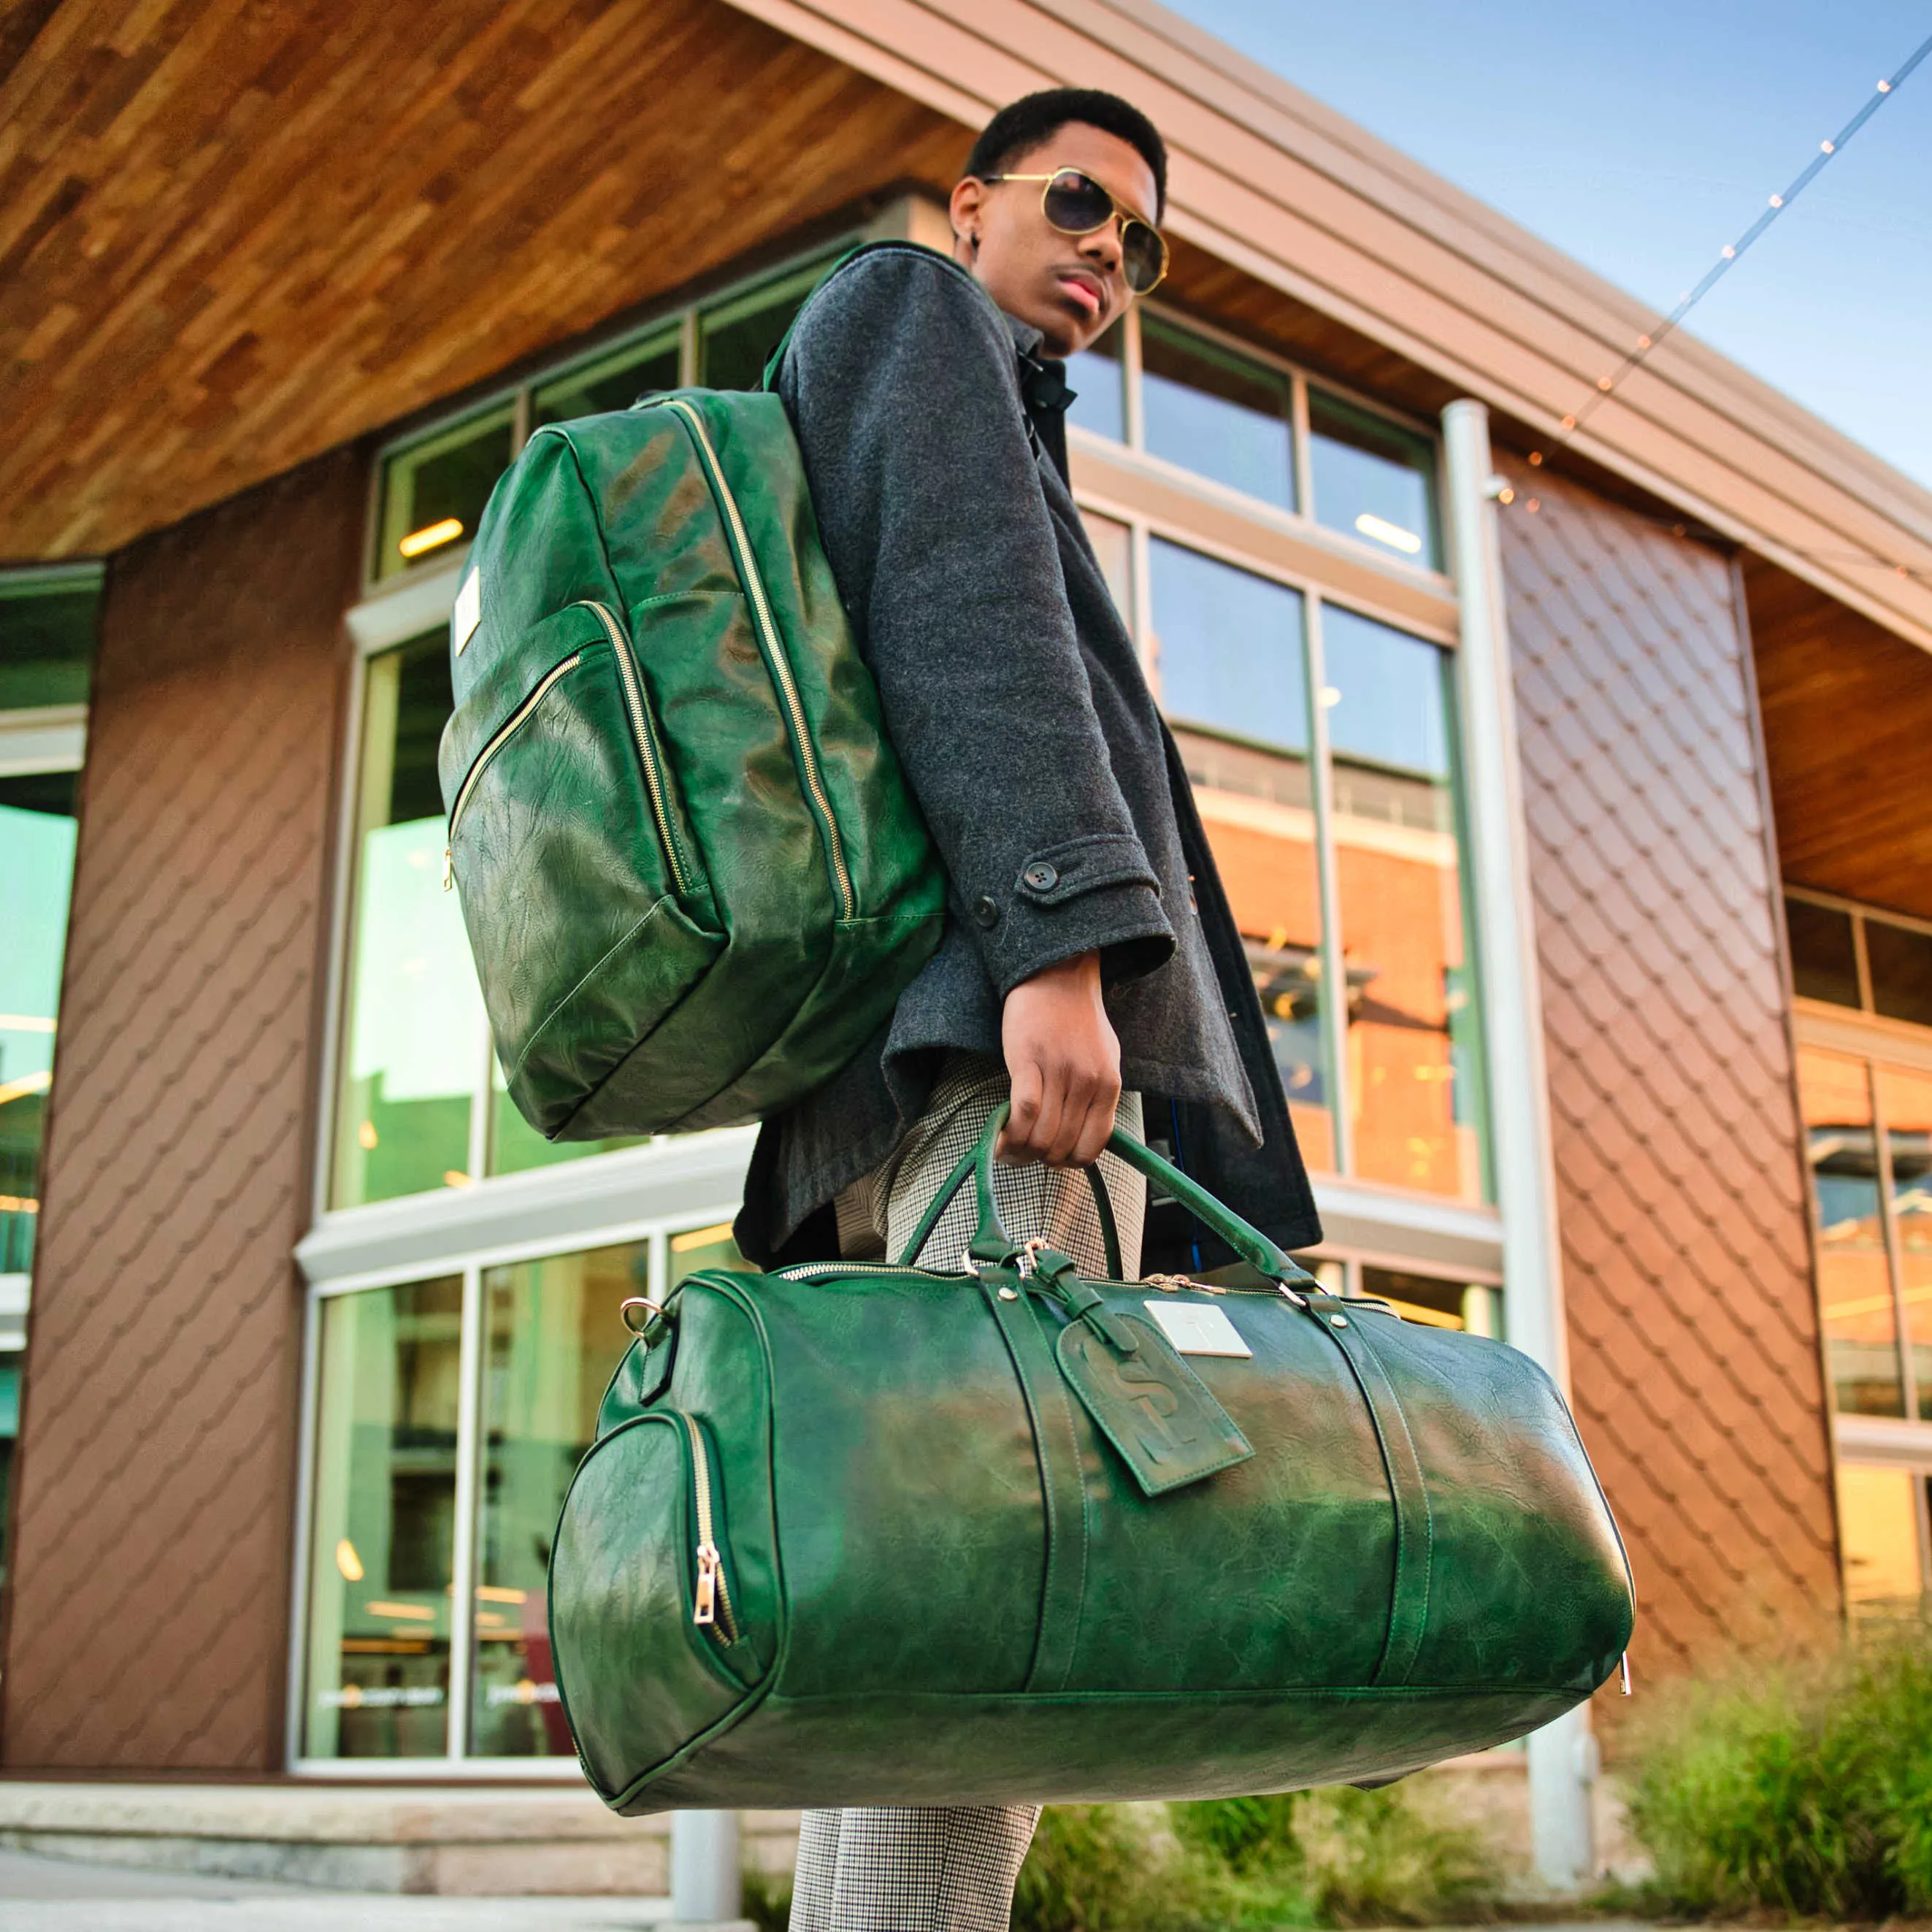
426	1612
431	536
347	1561
1394	534
700	1238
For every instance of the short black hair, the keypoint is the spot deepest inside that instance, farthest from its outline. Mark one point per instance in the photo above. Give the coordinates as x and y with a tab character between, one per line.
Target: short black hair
1033	118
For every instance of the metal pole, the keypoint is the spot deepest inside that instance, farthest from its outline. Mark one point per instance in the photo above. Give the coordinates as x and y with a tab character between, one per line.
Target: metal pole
705	1888
1562	1756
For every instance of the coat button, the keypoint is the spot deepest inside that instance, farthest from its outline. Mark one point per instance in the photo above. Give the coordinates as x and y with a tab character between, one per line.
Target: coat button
987	913
1042	877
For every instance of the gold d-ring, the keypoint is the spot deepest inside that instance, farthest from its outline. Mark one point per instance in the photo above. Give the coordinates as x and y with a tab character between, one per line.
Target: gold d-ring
651	1310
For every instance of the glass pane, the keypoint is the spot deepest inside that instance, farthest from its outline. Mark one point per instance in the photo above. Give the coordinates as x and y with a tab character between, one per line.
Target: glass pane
735	341
10	1432
553	1340
697	1249
1905	1100
515	1146
1899	961
1426	1298
1414	1089
1372	478
1230	669
47	626
1096	376
380	1566
1854	1277
1217	412
614	382
433	493
1824	964
37	842
1114	545
415	1025
1878	1530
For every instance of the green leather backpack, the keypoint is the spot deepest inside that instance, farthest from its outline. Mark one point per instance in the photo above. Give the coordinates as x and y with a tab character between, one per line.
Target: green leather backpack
855	1534
694	879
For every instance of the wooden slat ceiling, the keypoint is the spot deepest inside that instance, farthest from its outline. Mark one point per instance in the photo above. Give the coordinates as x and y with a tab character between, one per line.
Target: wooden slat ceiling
234	234
1847	712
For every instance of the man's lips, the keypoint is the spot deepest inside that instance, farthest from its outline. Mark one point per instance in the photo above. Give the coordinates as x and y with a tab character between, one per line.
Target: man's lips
1085	290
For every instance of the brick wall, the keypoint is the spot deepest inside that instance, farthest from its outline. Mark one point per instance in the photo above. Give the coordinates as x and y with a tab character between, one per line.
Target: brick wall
148	1627
1693	1326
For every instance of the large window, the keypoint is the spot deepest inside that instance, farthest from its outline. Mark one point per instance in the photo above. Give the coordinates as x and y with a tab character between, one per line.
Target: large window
451	1412
1340	851
1194	398
1846	954
48	620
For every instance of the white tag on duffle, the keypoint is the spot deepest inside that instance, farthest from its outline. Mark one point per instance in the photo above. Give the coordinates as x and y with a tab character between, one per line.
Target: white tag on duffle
468	611
1197	1328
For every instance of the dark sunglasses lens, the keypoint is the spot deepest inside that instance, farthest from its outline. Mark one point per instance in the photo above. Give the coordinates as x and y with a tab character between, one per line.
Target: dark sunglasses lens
1142	257
1076	206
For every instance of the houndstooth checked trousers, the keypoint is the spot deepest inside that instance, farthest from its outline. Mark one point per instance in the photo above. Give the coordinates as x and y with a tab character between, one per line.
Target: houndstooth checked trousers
904	1868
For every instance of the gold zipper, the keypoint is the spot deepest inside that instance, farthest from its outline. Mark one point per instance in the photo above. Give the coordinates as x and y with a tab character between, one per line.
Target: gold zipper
712	1608
780	665
627	676
490	751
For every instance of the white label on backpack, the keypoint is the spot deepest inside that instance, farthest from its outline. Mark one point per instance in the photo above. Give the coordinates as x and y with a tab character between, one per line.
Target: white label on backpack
468	611
1196	1328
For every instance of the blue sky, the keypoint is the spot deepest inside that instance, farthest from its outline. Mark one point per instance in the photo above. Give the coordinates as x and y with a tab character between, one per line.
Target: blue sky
1641	138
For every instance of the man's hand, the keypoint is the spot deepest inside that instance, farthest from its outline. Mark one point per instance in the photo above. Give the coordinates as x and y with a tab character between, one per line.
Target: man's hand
1065	1061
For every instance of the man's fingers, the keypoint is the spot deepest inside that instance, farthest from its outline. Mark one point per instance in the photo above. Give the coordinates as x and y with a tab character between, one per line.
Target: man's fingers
1016	1137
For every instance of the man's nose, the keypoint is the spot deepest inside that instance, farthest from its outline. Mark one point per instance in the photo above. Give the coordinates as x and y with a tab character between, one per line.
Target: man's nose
1102	246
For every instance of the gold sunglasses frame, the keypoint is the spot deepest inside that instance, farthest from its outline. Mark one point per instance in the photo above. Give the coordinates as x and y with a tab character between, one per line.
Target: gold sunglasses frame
1125	217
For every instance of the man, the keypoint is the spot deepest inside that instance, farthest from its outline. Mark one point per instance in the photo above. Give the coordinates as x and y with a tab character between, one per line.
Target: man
1091	969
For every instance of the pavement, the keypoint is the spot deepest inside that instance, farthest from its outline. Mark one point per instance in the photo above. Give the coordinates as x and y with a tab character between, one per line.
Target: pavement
40	1894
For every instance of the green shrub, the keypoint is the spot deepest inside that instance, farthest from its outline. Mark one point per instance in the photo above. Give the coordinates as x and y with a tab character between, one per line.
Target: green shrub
1804	1788
767	1901
1385	1858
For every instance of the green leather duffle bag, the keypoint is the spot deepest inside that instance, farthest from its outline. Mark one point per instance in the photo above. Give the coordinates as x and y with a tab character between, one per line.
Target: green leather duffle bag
693	878
855	1534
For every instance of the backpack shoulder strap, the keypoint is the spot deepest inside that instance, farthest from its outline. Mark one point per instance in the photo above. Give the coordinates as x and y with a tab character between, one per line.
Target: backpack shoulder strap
769	380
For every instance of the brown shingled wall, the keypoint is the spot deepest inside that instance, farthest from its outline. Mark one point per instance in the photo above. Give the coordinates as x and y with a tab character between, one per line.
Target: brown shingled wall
148	1626
1693	1326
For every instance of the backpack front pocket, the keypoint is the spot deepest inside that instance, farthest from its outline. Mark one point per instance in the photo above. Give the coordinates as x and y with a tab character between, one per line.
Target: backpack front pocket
587	911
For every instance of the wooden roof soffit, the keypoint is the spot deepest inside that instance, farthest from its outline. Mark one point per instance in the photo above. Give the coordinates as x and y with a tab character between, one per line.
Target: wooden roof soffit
1274	183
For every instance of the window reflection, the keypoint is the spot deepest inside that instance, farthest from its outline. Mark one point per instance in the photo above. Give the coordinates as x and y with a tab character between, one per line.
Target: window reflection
1434	1302
1217	412
1097	377
736	339
1905	1101
1854	1279
613	382
38	832
1900	959
415	1017
434	493
516	1146
384	1512
1414	1062
697	1249
553	1340
1824	959
1372	478
1230	670
47	625
1878	1529
1114	545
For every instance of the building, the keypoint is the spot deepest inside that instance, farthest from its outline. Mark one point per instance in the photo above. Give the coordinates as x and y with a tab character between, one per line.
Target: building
1571	791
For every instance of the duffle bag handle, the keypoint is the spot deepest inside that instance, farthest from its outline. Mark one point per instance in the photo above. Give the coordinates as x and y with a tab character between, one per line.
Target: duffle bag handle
992	1243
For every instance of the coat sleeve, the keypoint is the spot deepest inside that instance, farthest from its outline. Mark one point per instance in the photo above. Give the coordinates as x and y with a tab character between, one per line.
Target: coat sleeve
900	381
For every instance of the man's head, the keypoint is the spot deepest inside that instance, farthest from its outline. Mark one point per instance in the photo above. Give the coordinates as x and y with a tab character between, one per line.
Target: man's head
1070	287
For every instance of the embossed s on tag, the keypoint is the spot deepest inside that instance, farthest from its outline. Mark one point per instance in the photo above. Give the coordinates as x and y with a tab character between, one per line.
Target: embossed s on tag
1151	1406
1197	1328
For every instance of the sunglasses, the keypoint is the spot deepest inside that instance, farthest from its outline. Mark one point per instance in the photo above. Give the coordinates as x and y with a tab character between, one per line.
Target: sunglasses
1076	204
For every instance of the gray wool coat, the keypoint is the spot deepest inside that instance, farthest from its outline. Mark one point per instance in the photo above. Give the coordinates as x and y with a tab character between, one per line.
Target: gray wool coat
934	441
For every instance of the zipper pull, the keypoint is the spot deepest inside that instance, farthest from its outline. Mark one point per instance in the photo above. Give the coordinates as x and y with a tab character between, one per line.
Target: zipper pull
709	1565
448	868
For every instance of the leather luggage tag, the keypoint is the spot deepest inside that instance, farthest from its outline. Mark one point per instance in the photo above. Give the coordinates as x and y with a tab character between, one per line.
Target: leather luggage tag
1153	1408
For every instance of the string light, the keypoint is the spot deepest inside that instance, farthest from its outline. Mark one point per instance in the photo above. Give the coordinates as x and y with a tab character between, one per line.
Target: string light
1731	252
